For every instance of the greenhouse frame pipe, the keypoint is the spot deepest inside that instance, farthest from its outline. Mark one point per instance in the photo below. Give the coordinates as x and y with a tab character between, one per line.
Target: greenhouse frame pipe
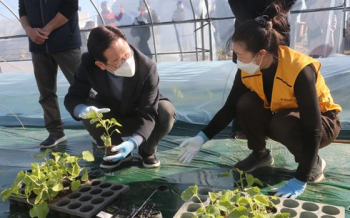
153	35
8	8
195	32
99	14
209	27
341	47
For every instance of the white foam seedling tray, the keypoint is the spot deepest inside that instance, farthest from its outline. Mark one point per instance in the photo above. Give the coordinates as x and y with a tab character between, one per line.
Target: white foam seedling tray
296	208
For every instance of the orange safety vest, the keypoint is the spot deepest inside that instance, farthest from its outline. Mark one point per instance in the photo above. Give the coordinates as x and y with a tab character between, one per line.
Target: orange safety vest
290	63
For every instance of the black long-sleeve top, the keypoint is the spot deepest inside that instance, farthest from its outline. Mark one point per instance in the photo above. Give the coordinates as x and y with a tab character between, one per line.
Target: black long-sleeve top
308	105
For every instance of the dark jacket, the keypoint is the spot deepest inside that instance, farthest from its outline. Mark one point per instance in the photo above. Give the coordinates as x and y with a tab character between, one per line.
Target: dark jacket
40	12
140	94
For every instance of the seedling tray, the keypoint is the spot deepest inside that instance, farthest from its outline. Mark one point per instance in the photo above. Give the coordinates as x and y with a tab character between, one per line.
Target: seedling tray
296	208
87	201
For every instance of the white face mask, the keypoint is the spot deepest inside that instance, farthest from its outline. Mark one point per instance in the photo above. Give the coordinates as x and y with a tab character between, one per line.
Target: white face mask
127	69
250	67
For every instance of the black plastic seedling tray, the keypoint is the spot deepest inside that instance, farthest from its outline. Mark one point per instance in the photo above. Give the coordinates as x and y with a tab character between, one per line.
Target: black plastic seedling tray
87	201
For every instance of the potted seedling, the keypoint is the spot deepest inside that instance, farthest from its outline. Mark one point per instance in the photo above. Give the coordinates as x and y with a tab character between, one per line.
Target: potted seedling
45	182
244	201
107	124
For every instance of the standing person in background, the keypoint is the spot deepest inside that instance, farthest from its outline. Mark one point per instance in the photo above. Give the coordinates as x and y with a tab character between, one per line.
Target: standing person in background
143	34
146	11
54	40
283	95
250	9
108	17
179	12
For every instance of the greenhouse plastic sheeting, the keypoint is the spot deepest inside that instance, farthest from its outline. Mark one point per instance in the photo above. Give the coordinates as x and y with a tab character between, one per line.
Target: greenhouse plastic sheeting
197	90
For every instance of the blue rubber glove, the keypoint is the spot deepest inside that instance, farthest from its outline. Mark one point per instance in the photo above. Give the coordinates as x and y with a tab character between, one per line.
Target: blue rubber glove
87	111
124	149
292	189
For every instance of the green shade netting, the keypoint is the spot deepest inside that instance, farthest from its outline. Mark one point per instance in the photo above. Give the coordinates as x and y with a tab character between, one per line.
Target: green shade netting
18	147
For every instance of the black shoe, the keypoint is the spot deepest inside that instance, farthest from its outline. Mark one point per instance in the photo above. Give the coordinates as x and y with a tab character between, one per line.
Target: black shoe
110	164
316	174
251	162
53	140
148	161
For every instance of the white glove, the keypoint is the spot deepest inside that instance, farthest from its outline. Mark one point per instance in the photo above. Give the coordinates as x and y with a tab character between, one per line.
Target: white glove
191	147
86	112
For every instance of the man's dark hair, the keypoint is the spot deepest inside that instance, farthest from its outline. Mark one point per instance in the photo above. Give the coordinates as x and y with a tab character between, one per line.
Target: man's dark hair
101	38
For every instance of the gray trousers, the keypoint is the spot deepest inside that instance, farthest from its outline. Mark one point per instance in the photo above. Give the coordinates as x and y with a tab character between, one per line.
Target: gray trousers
45	72
164	123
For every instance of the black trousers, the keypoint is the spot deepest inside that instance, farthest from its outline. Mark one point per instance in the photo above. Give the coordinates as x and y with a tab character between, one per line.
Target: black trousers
285	126
164	123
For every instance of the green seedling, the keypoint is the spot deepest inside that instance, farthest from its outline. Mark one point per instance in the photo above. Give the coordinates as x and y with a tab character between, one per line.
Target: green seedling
244	201
44	181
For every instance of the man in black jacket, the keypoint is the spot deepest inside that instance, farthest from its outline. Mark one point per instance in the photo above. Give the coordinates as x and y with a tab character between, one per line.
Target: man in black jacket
54	40
126	82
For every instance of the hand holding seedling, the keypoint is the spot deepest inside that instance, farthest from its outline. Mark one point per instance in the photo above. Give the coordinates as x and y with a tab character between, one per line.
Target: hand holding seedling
123	150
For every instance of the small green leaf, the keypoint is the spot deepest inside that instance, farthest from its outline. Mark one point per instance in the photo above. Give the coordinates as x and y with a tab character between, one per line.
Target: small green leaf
5	194
40	211
250	180
85	175
44	154
258	182
212	196
76	170
88	156
222	207
94	120
72	159
200	210
92	115
189	193
58	187
211	209
38	198
239	211
262	199
242	201
75	185
253	191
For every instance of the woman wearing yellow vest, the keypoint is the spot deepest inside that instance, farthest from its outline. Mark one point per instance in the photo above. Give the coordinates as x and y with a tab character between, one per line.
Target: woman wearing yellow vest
279	93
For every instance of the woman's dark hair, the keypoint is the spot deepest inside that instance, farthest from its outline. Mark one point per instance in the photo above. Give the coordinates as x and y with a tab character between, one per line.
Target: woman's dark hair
100	39
263	31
